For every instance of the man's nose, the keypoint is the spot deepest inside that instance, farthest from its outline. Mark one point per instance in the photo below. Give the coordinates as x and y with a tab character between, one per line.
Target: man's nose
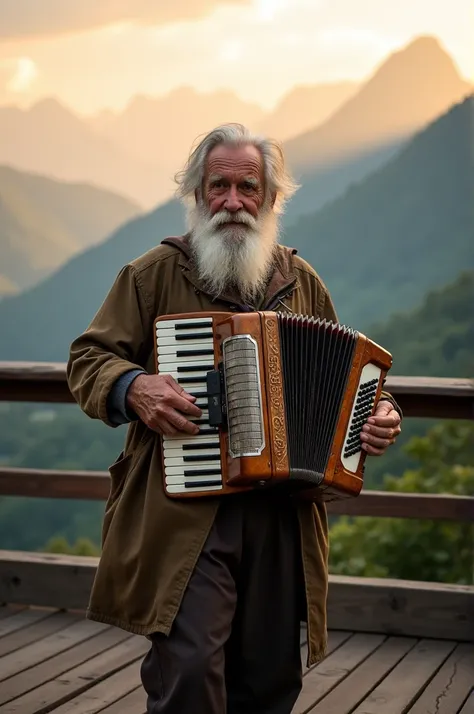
232	201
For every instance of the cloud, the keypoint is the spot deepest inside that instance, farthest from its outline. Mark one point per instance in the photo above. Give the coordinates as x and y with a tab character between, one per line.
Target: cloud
27	18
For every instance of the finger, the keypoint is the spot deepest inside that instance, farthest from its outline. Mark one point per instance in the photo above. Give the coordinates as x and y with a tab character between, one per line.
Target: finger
390	421
383	432
179	389
162	427
177	402
180	422
372	450
375	441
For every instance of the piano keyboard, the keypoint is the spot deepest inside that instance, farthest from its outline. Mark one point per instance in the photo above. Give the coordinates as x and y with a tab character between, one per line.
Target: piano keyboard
185	350
361	410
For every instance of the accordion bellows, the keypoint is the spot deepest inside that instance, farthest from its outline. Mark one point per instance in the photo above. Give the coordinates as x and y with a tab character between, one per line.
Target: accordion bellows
284	400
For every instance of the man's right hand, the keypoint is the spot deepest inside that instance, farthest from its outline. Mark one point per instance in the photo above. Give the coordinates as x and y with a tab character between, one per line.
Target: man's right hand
162	404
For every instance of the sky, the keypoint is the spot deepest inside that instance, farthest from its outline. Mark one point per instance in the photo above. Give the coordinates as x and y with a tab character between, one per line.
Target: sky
98	54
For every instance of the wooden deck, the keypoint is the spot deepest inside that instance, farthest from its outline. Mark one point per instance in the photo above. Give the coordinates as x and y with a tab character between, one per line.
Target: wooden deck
57	661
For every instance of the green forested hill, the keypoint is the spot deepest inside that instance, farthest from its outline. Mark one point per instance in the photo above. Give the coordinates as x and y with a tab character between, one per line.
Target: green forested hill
405	230
434	339
44	222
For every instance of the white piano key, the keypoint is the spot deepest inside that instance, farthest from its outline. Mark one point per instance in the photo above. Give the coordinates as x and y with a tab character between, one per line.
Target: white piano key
180	440
184	320
179	461
179	453
180	488
191	346
179	478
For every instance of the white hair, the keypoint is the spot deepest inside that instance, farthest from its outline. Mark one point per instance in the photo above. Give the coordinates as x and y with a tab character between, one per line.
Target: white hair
278	180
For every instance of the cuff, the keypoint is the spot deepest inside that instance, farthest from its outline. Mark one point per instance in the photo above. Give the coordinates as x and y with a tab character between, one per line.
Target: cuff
117	409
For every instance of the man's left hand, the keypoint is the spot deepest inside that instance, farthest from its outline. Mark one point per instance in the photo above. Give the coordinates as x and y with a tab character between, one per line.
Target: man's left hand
381	430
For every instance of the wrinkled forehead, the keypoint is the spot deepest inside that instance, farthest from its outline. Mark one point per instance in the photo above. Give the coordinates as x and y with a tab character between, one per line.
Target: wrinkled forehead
235	162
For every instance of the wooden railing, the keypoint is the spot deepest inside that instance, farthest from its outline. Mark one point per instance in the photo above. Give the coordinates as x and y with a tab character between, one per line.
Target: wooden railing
365	604
417	396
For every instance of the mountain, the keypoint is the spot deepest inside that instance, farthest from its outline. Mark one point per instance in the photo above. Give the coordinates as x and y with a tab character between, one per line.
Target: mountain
162	129
50	140
44	222
40	323
409	90
403	231
305	107
406	229
437	338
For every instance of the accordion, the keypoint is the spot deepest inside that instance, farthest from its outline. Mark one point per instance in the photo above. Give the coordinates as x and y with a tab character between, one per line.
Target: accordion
283	399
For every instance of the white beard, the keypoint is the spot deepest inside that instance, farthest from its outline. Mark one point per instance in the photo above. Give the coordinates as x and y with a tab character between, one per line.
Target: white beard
233	256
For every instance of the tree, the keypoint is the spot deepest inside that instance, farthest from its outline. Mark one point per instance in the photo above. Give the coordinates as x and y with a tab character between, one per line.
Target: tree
439	551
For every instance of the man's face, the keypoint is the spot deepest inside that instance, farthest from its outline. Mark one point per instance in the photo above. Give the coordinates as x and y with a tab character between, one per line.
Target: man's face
233	180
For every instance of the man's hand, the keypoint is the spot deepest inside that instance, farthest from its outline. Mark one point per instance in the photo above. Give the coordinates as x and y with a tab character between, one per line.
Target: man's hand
162	404
381	430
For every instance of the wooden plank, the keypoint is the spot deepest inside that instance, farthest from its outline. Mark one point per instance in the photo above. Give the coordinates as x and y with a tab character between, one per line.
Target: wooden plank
69	691
56	667
397	607
24	618
133	703
61	641
405	682
468	707
335	640
401	607
8	610
46	579
92	693
448	690
95	485
54	622
51	483
319	680
443	507
439	397
360	682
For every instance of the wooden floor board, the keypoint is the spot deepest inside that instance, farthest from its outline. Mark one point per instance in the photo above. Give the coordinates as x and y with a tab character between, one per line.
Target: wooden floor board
449	688
28	656
21	619
54	662
132	703
36	631
42	673
406	681
360	682
322	678
74	684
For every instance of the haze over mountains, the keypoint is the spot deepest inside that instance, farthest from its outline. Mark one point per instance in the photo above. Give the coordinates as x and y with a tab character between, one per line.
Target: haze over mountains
45	222
405	230
137	152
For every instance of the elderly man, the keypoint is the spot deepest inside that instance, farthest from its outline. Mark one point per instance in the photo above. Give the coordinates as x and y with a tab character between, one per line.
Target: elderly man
219	585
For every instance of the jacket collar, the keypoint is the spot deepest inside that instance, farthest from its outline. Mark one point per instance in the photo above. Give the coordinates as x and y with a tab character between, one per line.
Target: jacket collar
281	282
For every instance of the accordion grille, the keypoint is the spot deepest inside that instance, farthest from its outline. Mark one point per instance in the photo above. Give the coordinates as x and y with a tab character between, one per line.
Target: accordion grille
243	396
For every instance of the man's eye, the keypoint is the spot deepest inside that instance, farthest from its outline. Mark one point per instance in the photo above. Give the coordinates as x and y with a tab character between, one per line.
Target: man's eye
249	186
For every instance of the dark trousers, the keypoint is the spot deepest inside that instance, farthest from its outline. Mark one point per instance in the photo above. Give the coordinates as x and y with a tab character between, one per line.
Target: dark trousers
234	647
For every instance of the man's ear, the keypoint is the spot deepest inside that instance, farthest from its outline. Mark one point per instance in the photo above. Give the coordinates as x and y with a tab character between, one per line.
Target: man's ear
273	198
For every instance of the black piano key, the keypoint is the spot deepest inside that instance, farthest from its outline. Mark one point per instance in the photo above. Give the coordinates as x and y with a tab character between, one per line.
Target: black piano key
199	445
194	336
192	325
201	457
202	472
192	380
205	432
202	484
195	353
195	368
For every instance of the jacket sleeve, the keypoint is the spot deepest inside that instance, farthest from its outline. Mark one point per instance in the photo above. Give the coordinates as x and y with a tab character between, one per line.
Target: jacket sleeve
328	311
112	345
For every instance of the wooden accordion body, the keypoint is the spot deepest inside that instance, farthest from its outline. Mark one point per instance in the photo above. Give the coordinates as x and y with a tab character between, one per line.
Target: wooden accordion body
284	399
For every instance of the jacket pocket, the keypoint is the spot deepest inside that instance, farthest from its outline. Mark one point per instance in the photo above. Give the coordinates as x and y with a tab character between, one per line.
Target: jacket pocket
118	473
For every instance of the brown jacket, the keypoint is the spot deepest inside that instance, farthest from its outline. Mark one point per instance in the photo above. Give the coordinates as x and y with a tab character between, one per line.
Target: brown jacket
150	543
